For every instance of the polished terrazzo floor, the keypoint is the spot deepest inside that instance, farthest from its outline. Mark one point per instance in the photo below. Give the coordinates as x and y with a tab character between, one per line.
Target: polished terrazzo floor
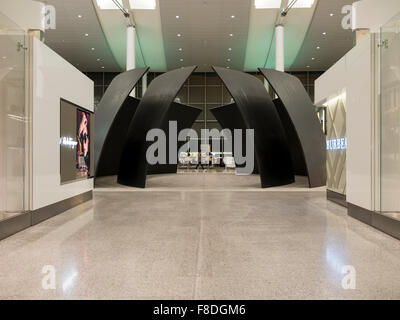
202	236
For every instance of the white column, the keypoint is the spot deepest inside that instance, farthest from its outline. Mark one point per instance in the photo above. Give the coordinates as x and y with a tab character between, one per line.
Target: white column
280	48
130	51
130	48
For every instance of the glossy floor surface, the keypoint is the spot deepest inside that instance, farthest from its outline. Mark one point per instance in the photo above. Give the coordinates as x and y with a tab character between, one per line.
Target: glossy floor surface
197	240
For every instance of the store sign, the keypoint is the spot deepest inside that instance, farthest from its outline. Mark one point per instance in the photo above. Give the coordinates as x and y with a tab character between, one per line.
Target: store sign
68	142
336	144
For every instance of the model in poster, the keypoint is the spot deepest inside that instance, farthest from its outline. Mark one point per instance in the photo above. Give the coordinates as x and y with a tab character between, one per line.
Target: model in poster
83	154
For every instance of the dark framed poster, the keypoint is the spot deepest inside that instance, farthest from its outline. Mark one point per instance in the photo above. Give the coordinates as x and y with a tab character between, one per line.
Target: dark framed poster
76	142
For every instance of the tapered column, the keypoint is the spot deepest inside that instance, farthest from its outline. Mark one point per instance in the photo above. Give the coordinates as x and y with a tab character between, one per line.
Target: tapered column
280	48
130	51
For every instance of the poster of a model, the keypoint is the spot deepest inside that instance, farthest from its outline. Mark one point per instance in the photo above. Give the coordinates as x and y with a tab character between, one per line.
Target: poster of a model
83	147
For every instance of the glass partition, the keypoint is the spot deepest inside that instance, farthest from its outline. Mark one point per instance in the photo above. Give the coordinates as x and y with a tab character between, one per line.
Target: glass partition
390	118
12	118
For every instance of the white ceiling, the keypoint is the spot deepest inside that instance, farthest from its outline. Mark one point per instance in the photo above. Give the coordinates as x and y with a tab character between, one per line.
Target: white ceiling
333	46
69	40
205	27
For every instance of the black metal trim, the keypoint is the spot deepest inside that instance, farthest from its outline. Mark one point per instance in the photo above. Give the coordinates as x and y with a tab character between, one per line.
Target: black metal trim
20	222
15	224
54	209
336	197
379	221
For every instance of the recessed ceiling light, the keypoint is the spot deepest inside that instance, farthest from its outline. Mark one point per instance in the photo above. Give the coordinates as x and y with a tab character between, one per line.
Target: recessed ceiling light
303	4
312	58
102	67
98	59
230	49
108	4
228	59
92	49
181	59
178	34
79	16
324	33
180	49
276	4
331	14
142	4
267	4
308	66
233	17
228	67
231	34
177	17
86	34
4	57
318	48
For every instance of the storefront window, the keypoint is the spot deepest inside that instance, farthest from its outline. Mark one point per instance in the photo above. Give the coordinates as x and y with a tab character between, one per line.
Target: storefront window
12	118
390	118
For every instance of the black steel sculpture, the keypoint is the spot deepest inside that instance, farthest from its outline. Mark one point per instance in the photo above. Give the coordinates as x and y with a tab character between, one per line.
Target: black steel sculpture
259	113
298	162
150	114
307	136
113	116
229	116
185	116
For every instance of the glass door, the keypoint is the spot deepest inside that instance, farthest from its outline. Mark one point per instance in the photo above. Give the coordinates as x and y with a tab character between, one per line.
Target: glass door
12	118
390	118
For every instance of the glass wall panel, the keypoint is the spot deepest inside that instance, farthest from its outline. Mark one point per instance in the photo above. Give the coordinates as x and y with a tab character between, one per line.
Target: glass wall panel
390	118
12	118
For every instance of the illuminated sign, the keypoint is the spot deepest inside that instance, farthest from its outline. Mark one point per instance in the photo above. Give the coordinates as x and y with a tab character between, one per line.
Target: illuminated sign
68	141
336	144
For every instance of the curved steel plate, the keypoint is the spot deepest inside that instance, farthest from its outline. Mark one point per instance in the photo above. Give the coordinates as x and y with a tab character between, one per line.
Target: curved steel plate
185	116
259	113
230	117
115	141
304	118
150	114
298	162
109	106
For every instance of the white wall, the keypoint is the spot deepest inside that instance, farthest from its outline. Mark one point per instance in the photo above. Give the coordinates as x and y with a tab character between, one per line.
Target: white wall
372	14
53	78
331	83
360	135
27	14
354	75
